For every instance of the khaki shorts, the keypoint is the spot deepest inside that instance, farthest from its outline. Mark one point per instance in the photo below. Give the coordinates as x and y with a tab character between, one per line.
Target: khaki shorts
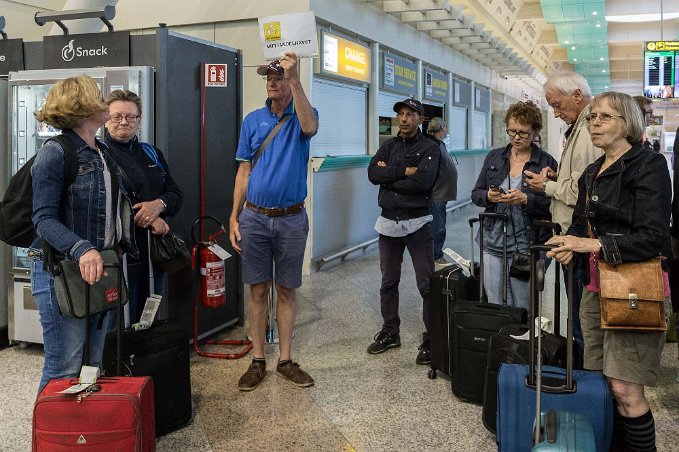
624	355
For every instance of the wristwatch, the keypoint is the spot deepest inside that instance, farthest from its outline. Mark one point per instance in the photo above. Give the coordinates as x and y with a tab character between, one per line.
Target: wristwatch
163	203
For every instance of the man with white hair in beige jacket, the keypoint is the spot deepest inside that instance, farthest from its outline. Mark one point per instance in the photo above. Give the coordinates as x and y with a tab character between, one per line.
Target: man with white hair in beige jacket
569	94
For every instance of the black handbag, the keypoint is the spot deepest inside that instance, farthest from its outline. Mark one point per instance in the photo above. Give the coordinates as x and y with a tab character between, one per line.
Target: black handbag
71	288
169	252
520	268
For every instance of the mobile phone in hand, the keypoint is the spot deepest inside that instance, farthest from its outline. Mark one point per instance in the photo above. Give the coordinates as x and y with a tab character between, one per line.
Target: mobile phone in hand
500	189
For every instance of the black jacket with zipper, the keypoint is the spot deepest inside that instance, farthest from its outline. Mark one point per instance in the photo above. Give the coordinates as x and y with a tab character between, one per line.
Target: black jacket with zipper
403	197
628	207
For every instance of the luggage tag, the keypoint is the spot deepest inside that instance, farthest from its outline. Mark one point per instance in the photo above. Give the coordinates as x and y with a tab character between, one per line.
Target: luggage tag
88	377
464	264
219	251
545	325
149	313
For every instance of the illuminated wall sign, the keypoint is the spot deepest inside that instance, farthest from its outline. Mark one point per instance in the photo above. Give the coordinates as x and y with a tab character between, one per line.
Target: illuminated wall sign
661	66
398	74
86	50
435	86
345	58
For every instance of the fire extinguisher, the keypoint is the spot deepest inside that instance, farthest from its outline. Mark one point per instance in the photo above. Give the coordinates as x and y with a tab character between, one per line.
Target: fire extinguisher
212	271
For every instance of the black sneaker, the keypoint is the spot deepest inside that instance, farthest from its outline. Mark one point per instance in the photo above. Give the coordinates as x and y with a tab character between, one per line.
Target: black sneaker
384	340
424	354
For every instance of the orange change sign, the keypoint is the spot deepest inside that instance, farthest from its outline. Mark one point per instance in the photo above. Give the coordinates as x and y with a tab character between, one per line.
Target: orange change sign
345	58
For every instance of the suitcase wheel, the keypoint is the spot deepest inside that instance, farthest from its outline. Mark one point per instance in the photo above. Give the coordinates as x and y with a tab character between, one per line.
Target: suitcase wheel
431	374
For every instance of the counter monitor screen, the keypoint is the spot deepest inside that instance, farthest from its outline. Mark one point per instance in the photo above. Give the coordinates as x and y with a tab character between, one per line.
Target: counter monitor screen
661	65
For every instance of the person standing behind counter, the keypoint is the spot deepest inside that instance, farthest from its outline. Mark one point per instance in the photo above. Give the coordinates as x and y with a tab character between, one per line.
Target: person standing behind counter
444	190
158	195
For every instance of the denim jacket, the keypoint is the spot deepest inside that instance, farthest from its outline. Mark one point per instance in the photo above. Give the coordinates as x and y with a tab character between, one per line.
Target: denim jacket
628	206
73	221
496	169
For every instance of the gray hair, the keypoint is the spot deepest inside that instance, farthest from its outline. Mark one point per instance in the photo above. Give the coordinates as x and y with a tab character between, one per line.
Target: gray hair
435	125
629	109
567	83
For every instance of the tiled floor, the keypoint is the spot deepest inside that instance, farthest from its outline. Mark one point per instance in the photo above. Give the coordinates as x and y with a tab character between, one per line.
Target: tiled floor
360	402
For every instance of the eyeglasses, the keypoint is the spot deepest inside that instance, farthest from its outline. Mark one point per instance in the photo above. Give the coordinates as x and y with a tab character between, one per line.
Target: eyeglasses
128	118
603	117
273	79
521	133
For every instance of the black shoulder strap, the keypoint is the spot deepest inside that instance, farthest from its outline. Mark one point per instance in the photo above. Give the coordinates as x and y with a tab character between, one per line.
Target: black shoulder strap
70	158
272	134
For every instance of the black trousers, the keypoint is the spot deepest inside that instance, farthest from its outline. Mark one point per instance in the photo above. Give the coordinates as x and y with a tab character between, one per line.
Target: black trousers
419	245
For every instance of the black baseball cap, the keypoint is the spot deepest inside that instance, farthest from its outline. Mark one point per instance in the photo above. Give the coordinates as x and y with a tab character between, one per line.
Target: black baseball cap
410	103
274	66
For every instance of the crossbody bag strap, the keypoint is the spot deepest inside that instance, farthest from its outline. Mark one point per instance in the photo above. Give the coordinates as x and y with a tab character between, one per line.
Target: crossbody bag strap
283	119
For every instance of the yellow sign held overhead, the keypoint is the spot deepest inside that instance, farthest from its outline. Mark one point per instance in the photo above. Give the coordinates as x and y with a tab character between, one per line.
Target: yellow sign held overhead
295	32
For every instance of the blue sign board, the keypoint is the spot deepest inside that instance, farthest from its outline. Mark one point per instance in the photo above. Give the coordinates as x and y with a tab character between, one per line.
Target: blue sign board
435	86
398	75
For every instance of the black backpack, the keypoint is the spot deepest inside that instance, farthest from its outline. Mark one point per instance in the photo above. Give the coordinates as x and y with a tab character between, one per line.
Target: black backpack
16	208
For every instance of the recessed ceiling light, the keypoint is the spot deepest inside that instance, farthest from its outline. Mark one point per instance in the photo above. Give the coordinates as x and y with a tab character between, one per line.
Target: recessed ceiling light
601	58
598	25
635	18
606	86
573	48
603	70
566	42
575	59
594	13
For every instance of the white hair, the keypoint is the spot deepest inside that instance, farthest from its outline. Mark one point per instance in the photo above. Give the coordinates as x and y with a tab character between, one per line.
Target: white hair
567	83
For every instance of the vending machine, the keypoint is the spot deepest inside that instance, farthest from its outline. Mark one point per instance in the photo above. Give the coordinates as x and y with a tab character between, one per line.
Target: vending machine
27	93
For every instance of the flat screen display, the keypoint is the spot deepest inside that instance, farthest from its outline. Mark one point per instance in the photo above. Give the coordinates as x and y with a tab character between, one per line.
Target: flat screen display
661	66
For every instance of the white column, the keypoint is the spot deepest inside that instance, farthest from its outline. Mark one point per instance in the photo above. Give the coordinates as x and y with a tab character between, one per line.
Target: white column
373	99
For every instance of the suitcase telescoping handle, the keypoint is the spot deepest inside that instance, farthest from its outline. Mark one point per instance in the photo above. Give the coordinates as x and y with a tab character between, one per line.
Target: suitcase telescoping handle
471	245
536	288
505	273
556	227
119	328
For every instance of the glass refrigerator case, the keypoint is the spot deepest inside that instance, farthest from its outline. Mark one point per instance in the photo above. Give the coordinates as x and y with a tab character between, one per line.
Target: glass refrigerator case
27	93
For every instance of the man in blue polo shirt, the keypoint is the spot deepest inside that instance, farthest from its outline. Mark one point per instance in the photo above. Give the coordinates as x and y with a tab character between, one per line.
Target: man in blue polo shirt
268	224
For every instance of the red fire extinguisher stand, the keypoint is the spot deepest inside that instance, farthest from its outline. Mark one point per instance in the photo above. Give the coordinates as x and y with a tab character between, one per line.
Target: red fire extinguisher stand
212	293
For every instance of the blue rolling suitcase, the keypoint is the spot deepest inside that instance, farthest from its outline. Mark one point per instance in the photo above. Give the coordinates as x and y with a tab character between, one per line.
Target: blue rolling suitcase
580	392
558	431
565	432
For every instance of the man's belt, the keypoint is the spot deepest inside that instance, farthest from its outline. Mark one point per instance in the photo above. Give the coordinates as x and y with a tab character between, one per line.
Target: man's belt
275	211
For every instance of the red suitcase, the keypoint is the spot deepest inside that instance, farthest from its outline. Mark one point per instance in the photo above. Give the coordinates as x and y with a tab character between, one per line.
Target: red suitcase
117	417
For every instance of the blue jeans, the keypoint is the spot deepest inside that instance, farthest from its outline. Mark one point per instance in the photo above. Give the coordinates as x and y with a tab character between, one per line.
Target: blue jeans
391	258
518	292
64	337
438	227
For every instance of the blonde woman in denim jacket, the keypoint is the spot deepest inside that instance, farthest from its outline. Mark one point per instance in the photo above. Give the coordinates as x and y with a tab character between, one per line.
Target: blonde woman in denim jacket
77	221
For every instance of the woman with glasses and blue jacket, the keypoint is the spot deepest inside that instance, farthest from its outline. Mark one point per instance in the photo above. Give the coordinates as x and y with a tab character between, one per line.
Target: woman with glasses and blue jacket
77	220
500	188
157	195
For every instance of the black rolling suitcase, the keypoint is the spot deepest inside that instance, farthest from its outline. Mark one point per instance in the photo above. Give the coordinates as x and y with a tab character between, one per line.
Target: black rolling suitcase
449	286
472	325
162	353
